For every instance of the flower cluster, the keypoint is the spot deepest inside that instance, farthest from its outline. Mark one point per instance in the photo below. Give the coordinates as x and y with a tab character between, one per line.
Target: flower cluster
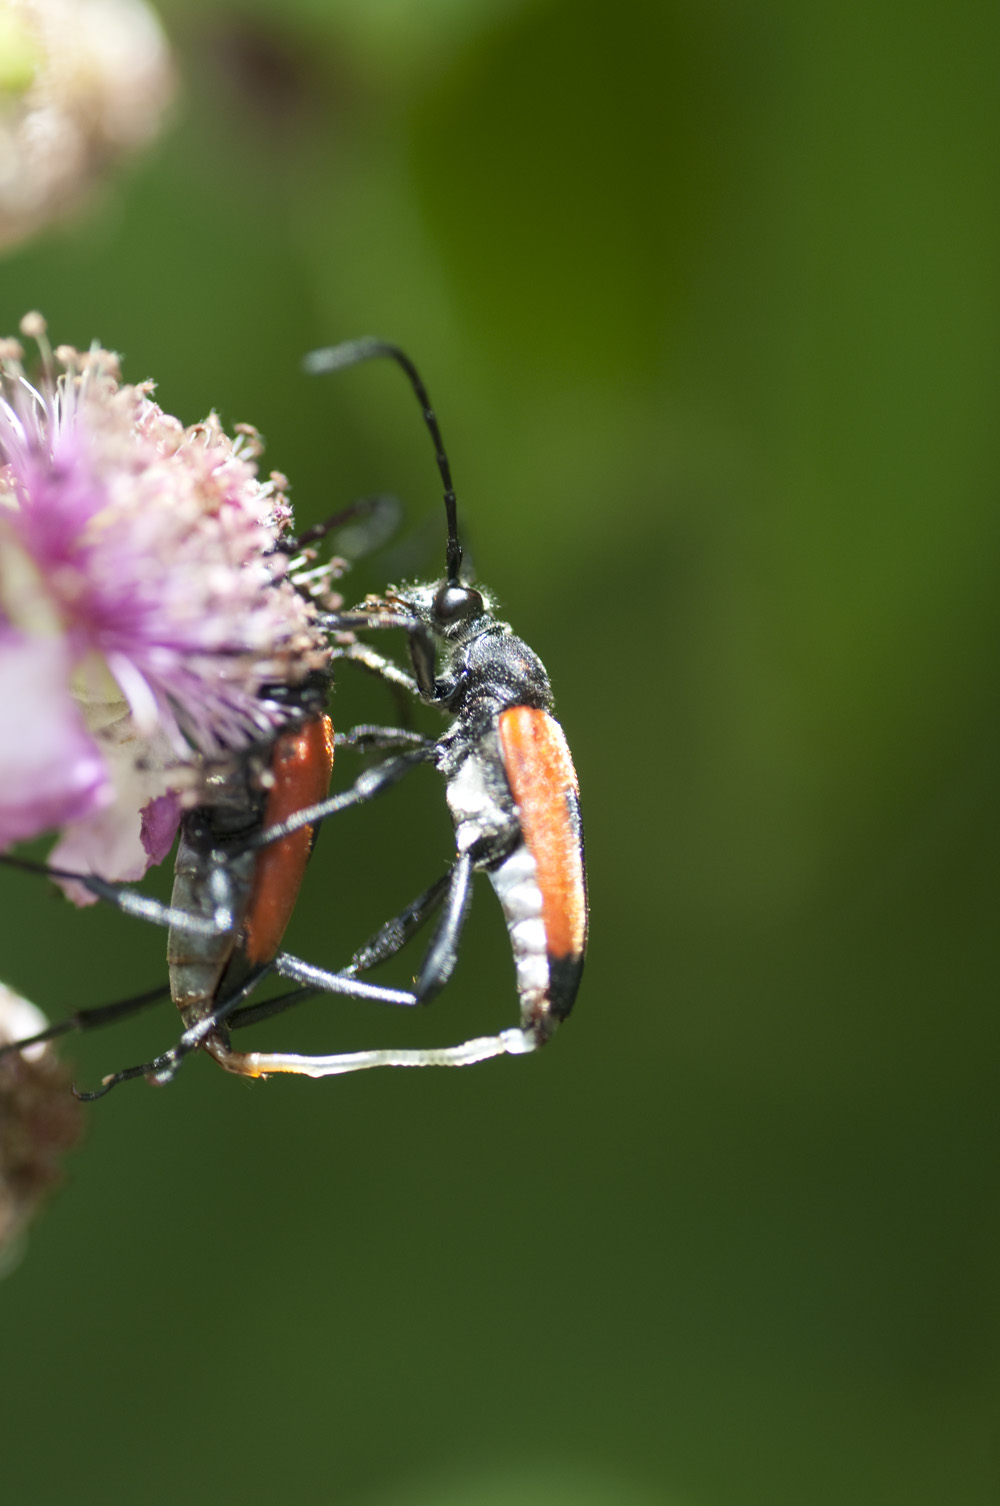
81	82
145	606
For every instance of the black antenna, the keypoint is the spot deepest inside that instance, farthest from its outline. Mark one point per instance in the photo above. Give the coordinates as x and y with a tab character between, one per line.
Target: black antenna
352	353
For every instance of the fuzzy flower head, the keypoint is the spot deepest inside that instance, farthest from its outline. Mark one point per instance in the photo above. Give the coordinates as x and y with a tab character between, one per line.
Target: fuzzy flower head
81	83
39	1119
145	606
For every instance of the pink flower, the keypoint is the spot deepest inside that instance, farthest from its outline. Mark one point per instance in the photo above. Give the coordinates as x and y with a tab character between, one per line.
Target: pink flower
145	607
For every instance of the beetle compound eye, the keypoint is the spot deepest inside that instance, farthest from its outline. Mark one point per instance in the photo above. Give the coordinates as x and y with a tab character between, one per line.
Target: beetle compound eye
452	603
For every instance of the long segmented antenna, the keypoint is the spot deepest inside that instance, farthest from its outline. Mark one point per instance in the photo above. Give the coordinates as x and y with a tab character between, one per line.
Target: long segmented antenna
352	353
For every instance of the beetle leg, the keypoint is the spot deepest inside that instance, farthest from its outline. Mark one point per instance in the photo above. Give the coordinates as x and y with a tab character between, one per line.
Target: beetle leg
370	735
394	935
514	1042
130	902
439	963
377	664
163	1068
367	785
442	954
90	1019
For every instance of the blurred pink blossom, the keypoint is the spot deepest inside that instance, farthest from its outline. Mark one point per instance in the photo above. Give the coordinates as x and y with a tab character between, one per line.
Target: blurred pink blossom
82	83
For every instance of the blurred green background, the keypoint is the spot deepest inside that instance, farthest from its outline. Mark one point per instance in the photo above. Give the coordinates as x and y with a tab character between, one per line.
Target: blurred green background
707	297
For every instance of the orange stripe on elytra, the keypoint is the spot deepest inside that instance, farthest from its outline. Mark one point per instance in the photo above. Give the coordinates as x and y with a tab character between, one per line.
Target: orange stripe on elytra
543	782
301	766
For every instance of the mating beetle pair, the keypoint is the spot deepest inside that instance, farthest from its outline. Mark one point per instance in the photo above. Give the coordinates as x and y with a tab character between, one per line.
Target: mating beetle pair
511	790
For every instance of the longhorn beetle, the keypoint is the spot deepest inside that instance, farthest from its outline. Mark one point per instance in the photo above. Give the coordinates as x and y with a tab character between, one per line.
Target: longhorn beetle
510	786
509	782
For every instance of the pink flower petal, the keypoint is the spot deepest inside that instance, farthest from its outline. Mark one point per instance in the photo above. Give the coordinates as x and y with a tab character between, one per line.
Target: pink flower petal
108	844
51	770
121	842
160	819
